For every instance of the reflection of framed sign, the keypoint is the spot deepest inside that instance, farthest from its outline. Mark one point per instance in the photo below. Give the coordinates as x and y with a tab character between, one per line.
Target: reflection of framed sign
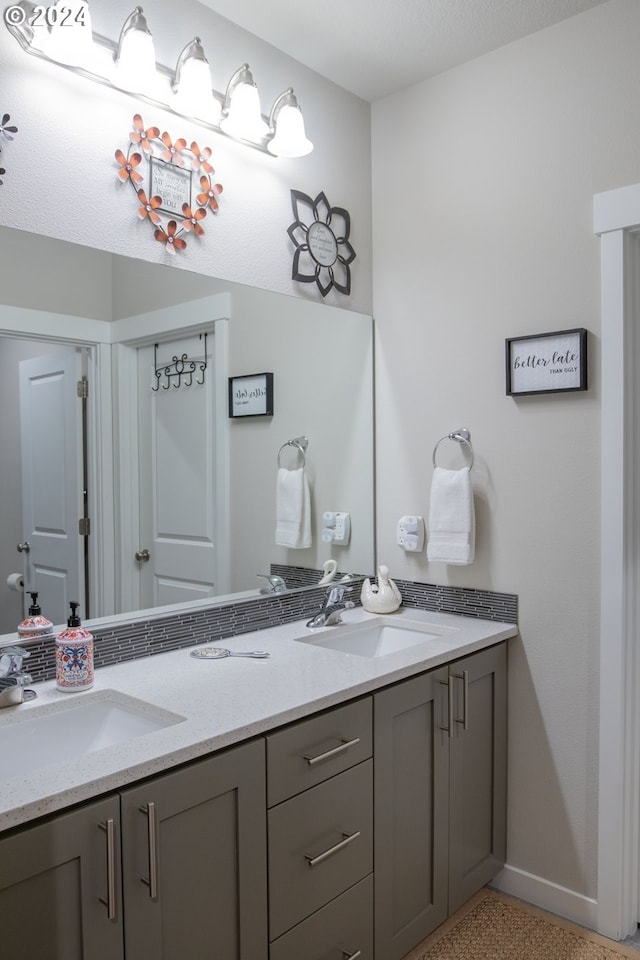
172	183
251	396
547	362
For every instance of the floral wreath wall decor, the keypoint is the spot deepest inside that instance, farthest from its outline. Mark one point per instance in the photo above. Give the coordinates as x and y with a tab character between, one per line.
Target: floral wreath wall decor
323	253
170	200
6	133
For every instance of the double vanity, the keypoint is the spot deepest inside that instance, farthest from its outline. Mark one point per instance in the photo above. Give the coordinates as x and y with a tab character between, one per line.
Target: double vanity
338	798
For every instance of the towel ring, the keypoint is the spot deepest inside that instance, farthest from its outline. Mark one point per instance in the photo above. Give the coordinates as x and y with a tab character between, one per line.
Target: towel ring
462	436
300	443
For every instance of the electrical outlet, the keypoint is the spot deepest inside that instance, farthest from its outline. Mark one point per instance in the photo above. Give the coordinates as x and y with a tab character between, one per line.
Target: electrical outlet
410	534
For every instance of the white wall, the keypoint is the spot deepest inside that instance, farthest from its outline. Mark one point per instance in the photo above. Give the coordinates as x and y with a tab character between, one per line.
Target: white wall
61	172
483	186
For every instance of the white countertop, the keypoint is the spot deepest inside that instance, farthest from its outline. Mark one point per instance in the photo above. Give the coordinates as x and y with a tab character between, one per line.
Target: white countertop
222	701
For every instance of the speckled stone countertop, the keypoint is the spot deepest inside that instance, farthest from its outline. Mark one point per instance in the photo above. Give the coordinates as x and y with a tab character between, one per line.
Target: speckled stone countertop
222	702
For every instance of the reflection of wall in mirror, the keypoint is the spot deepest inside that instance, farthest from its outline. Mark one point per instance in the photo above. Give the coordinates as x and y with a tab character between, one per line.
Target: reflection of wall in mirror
321	358
317	352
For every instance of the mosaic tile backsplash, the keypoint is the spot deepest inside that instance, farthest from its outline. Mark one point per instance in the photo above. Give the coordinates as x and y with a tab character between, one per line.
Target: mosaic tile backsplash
143	638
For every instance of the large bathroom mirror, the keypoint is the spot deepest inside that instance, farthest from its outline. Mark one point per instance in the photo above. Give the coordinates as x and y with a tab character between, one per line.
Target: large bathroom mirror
157	464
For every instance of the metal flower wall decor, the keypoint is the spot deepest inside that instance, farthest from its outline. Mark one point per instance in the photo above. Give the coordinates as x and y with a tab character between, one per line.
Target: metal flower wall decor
172	183
323	253
6	133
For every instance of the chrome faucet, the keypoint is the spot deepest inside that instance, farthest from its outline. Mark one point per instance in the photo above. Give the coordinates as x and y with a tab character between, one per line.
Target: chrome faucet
275	584
333	604
13	679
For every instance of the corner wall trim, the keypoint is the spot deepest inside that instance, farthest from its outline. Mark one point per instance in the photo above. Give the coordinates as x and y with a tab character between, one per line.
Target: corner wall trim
548	896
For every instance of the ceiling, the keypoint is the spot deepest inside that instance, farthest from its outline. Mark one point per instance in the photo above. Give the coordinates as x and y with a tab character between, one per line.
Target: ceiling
376	47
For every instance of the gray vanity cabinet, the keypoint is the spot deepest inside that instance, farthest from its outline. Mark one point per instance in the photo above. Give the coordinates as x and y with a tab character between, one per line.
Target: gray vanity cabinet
60	887
440	789
194	861
381	817
411	813
320	830
478	772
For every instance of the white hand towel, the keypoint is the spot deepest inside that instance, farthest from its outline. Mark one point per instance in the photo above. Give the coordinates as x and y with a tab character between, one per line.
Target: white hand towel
293	509
451	517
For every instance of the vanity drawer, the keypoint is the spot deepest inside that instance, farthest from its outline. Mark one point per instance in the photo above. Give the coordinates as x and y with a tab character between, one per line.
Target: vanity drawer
344	928
308	752
320	844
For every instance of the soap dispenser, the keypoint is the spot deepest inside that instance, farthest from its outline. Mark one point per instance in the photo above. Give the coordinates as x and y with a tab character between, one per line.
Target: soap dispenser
74	655
35	626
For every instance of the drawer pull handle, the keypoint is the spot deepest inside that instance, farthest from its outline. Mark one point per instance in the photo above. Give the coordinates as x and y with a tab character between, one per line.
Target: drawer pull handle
342	746
152	882
347	955
346	839
110	902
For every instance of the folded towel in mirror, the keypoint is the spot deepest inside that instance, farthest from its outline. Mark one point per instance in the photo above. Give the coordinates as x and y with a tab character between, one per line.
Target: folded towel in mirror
451	537
293	509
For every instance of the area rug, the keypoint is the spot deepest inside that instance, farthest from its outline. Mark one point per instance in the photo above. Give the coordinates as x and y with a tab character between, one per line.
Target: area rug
494	927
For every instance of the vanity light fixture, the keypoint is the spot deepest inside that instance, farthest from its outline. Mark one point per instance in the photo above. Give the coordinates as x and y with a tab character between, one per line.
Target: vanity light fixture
242	117
69	42
193	95
136	56
130	66
287	125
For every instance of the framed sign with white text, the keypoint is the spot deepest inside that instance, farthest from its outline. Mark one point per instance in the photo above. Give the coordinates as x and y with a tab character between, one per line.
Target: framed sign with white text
547	362
251	396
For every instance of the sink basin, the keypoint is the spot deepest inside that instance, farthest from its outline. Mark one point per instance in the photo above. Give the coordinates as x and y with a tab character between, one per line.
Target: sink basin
378	639
62	731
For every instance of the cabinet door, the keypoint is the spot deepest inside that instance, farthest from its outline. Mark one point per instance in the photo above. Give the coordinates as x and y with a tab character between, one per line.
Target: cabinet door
478	772
411	751
60	887
194	861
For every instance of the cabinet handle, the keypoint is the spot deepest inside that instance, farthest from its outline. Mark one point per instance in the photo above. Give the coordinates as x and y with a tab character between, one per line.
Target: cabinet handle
110	902
343	745
347	955
346	839
447	683
464	676
152	882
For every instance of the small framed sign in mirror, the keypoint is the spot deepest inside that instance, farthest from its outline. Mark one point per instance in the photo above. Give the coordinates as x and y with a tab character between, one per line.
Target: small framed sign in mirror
251	395
547	362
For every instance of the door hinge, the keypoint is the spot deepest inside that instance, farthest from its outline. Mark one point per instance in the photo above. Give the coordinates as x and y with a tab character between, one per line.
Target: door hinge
84	526
83	388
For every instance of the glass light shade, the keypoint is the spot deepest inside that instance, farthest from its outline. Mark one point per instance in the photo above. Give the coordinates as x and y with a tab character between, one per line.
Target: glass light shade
70	39
194	96
136	60
290	139
244	118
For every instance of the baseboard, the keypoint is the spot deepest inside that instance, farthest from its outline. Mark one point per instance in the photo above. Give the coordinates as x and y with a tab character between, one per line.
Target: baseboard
548	896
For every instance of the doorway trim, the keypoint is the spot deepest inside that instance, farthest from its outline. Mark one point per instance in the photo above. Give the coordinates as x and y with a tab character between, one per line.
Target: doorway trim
617	223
